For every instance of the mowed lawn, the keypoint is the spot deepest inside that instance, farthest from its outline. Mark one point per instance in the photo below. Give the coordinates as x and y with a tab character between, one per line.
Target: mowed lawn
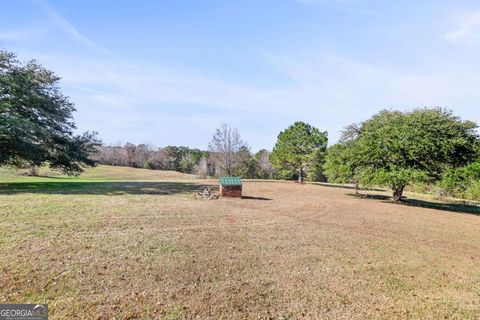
130	243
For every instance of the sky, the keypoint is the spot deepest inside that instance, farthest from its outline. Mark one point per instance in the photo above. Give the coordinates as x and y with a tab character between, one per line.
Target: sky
169	72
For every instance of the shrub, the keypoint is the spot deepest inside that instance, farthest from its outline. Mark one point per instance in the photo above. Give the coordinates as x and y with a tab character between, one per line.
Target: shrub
463	182
473	192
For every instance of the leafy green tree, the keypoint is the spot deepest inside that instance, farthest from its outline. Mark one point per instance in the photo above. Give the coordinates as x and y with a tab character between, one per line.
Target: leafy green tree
316	168
296	148
190	158
341	165
457	181
399	148
36	120
251	169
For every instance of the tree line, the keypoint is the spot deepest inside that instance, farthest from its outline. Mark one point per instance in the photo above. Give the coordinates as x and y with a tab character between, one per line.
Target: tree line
204	164
182	159
425	148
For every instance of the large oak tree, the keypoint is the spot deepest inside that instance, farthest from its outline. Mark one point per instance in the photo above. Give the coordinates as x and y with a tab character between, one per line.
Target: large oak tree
398	148
36	120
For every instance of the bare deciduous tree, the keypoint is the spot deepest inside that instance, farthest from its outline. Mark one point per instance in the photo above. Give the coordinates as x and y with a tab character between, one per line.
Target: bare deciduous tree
266	170
225	146
130	148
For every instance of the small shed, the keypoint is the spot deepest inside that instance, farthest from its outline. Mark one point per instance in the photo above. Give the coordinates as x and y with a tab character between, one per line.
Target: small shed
231	187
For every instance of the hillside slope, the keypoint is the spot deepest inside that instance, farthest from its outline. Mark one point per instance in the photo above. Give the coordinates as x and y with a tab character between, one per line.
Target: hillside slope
99	173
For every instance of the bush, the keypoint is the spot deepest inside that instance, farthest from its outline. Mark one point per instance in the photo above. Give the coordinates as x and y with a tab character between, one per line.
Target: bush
455	182
148	165
473	192
462	182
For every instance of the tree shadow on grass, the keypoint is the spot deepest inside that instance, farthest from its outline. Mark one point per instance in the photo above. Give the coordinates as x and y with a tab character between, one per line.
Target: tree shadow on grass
445	206
344	186
459	207
102	188
256	198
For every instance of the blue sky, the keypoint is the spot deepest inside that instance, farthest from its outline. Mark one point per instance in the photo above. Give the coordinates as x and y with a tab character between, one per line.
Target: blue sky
170	72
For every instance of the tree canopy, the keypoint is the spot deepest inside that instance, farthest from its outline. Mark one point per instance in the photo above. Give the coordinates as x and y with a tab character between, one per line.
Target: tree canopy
341	164
397	148
36	120
298	147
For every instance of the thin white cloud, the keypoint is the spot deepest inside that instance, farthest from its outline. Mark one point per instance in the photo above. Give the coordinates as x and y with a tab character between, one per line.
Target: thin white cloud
326	2
16	35
145	103
356	86
350	6
68	28
326	89
467	28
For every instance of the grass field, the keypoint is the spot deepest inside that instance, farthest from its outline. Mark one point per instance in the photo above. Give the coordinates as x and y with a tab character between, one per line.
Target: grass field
130	243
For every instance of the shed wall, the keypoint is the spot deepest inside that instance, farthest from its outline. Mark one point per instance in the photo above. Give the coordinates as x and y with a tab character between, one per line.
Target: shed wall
231	191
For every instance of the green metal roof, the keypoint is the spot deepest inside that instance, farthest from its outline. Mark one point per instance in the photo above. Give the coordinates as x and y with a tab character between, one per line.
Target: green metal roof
230	181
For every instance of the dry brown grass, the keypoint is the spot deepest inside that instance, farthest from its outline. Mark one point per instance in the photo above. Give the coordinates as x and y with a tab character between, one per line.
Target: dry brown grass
311	252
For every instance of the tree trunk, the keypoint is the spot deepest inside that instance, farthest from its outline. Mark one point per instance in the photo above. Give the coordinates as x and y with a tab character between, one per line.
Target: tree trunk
300	176
34	171
398	193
